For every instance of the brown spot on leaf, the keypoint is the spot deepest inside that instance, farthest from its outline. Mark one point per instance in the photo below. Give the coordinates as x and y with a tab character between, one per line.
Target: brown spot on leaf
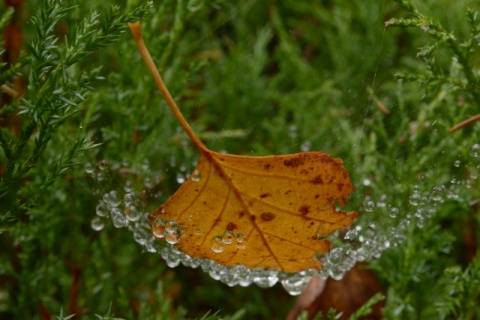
317	180
304	209
264	195
267	216
294	162
231	226
266	166
241	214
340	186
316	196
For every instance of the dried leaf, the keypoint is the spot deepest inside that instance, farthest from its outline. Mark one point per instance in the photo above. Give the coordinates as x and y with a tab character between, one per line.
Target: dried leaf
346	295
268	212
261	212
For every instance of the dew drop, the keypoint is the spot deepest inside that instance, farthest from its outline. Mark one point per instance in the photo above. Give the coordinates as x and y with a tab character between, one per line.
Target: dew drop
128	187
180	178
295	284
148	183
114	200
336	272
171	226
158	228
306	146
414	199
119	220
140	236
172	238
475	150
217	244
457	163
102	210
100	176
351	234
196	176
369	206
335	256
265	278
97	224
89	168
393	212
241	241
132	213
103	165
128	198
228	237
437	193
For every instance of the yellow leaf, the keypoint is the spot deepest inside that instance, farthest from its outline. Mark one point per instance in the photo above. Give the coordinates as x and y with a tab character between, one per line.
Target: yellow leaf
268	212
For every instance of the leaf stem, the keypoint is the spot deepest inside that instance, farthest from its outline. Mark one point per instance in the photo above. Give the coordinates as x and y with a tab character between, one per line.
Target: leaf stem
147	58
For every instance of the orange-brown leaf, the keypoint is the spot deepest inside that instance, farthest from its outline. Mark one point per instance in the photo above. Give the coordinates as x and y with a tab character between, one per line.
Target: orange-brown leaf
261	212
273	210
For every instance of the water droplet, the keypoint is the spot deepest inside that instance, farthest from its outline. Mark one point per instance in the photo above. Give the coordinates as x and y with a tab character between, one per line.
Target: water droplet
217	244
125	163
89	168
102	210
158	228
128	187
367	182
393	213
119	220
382	203
295	284
369	206
336	272
241	241
99	176
414	199
180	178
421	221
457	163
112	199
351	234
103	165
228	237
171	226
475	150
438	192
148	183
97	224
128	198
132	213
196	176
140	236
335	256
265	278
306	146
146	165
172	238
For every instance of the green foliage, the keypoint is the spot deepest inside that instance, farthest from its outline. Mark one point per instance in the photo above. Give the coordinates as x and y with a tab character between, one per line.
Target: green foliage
253	77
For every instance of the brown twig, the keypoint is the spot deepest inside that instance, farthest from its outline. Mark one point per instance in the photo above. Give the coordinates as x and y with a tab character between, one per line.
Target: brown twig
382	108
9	90
464	123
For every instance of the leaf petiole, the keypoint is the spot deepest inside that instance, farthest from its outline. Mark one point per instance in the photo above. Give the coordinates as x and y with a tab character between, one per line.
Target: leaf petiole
135	28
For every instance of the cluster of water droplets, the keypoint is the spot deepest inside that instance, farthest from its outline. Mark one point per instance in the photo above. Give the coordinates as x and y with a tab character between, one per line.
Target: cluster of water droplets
219	243
361	242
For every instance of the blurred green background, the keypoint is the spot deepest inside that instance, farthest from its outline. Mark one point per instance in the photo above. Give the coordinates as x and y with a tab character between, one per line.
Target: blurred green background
253	78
